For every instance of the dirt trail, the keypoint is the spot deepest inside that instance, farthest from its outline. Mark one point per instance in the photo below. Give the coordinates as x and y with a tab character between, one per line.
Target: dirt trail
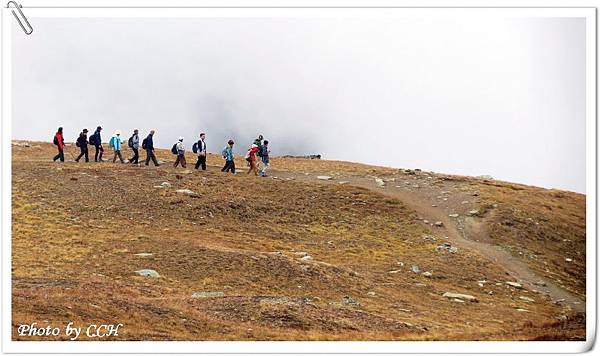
472	236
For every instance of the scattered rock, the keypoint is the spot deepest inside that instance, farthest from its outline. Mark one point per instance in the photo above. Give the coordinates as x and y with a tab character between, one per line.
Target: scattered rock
395	271
324	177
527	299
474	212
446	246
187	192
208	295
148	273
439	224
144	254
569	259
485	177
371	294
415	269
380	182
427	274
306	258
165	185
453	215
343	182
515	284
540	283
465	297
348	300
522	310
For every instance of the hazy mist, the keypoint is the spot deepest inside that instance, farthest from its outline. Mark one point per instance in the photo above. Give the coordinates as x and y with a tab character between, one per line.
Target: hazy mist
504	97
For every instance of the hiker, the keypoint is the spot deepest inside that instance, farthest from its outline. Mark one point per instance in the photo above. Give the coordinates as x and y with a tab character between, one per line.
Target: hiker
96	140
228	157
264	157
251	159
259	141
115	143
59	141
82	143
201	152
134	144
148	145
179	150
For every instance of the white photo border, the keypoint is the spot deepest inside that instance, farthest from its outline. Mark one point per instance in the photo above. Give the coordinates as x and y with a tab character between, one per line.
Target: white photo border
270	8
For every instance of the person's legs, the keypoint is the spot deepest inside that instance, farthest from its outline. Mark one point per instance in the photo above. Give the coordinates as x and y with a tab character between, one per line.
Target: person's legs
136	156
57	156
86	152
232	166
183	162
154	159
176	161
101	149
80	155
197	163
62	155
203	162
148	153
225	167
120	156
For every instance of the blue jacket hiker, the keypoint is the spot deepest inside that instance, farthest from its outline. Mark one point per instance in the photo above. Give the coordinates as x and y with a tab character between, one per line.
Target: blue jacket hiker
228	156
115	143
264	157
148	145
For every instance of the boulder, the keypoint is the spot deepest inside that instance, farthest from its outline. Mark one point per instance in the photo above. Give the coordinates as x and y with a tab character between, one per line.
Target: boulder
348	300
527	299
187	192
380	182
325	177
208	295
464	297
148	273
515	285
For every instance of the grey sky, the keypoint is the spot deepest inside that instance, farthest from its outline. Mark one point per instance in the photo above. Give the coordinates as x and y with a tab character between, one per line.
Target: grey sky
504	97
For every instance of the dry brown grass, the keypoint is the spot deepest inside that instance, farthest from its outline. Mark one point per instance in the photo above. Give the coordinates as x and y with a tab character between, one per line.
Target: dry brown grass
76	228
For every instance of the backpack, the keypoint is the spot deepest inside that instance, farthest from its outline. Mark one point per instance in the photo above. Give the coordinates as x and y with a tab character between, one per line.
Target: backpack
174	149
145	143
93	140
77	143
247	157
195	147
259	153
130	142
55	140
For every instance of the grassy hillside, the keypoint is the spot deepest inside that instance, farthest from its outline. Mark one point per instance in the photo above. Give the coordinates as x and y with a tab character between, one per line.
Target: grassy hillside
289	257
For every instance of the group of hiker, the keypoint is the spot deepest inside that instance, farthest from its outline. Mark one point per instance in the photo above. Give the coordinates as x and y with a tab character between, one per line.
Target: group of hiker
258	149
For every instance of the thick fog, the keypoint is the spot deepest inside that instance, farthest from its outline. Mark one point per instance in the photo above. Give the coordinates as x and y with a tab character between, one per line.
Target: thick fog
501	97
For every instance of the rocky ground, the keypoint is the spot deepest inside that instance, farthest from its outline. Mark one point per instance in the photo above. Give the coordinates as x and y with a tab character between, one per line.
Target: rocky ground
320	250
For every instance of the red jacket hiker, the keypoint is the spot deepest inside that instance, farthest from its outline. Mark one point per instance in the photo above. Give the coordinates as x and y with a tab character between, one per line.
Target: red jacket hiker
60	141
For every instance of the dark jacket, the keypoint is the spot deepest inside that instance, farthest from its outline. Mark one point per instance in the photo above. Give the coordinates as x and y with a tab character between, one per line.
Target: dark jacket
149	143
82	141
96	139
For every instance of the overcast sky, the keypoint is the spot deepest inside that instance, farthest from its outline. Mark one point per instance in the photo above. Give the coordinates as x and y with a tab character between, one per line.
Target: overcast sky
504	97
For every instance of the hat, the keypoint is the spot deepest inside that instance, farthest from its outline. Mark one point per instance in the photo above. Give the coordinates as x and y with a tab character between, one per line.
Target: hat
180	138
99	128
85	130
230	142
117	132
